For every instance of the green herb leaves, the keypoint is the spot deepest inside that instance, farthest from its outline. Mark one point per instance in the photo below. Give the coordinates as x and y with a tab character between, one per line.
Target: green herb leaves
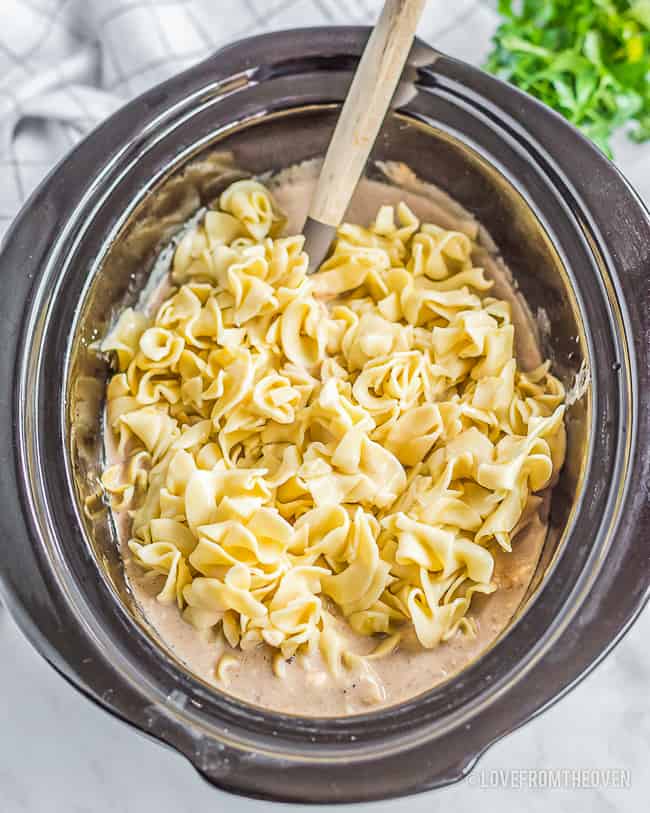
587	59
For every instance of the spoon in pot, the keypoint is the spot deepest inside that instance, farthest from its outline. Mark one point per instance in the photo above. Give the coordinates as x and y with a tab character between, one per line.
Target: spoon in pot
364	110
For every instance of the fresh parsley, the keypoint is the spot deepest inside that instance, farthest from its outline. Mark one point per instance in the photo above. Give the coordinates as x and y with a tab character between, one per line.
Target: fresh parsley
587	59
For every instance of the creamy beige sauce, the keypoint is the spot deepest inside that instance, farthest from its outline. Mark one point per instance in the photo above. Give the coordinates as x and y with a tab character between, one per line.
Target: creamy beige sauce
307	688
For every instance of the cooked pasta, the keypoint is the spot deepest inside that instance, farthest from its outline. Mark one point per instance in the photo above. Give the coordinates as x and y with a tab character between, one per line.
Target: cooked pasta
351	443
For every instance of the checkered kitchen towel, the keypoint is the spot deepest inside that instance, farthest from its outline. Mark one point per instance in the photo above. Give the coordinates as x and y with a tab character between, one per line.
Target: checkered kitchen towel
67	64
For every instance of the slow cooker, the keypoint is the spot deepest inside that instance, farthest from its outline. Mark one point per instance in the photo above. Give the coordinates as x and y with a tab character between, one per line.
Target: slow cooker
577	239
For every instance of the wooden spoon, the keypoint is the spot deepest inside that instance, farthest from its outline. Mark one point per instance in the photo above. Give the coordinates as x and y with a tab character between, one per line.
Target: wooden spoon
364	110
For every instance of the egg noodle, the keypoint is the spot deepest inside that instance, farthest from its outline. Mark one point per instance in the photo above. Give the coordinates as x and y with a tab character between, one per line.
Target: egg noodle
353	442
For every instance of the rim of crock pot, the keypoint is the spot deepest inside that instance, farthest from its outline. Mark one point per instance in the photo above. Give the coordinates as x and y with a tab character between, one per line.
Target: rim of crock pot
517	672
36	325
186	154
182	158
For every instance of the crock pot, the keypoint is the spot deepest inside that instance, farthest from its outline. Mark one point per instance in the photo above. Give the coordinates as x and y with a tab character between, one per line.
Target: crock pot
578	241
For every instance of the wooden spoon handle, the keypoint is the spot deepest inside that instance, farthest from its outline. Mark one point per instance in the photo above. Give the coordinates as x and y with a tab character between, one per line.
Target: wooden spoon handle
365	107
